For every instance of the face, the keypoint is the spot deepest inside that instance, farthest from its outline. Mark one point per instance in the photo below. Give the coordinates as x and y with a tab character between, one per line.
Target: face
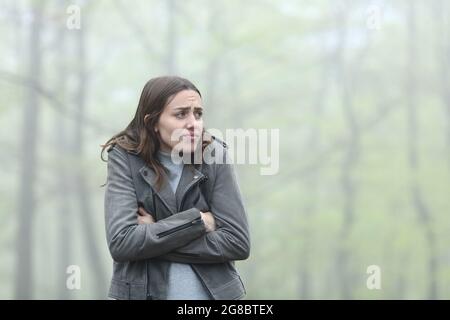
181	124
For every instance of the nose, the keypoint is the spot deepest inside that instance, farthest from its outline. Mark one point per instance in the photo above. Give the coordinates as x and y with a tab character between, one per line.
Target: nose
191	121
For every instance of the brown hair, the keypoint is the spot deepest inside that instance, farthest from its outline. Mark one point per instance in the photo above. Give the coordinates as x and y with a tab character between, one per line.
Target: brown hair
139	136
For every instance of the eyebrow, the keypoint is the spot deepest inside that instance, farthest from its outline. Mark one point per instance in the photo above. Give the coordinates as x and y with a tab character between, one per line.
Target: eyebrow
187	108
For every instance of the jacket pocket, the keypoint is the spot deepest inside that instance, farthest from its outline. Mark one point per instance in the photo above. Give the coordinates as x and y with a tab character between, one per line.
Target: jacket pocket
222	280
179	228
233	290
124	290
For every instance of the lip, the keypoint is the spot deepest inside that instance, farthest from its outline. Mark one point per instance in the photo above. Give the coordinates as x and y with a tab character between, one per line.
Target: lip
191	139
191	135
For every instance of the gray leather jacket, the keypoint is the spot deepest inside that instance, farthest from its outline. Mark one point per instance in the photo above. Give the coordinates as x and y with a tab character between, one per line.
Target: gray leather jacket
142	253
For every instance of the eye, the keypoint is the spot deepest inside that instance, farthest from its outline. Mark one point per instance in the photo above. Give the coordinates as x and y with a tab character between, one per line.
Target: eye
198	114
180	115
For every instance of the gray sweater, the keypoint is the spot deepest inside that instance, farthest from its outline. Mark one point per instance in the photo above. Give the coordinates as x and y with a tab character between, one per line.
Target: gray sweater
183	282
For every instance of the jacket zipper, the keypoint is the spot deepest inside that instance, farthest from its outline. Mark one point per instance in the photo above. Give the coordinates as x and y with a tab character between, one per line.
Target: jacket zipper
147	291
164	203
189	189
178	228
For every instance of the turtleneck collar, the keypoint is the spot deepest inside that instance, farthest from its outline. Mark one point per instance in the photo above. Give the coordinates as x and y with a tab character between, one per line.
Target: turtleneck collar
166	158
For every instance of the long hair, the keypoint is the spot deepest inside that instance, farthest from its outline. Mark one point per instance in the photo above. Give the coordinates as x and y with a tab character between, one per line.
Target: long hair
139	136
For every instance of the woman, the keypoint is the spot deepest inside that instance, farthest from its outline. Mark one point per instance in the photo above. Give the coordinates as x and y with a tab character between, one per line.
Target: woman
174	229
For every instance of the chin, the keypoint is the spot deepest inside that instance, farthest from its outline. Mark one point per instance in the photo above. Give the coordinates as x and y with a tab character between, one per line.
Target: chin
190	147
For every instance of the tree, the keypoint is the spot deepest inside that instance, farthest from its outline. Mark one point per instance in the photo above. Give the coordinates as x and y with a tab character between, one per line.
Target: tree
29	161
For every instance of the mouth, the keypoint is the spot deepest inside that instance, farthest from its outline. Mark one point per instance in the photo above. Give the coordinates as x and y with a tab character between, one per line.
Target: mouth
191	137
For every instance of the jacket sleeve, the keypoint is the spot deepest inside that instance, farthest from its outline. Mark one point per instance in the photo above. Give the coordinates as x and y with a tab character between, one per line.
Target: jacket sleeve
127	240
231	240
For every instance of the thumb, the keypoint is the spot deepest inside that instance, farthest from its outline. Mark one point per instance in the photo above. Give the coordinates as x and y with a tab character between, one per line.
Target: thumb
142	212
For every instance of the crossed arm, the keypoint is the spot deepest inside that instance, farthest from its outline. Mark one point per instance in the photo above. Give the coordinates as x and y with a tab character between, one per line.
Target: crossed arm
208	219
222	236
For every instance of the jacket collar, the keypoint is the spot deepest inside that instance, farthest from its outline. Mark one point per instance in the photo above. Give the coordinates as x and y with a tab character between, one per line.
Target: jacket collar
189	177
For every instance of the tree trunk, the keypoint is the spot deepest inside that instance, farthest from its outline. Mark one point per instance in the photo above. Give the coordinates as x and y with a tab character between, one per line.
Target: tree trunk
440	14
81	184
62	172
213	66
26	197
172	38
311	184
349	162
417	196
18	27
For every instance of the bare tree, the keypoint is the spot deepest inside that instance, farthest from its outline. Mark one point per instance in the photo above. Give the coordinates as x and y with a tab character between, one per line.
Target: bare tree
63	152
18	27
350	159
213	65
137	29
311	181
440	16
416	192
81	182
26	196
172	41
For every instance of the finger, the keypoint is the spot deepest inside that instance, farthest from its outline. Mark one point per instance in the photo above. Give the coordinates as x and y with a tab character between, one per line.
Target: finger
142	212
145	212
141	220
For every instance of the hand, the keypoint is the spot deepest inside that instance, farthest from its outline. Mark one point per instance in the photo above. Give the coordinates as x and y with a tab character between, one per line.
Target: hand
208	219
144	217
